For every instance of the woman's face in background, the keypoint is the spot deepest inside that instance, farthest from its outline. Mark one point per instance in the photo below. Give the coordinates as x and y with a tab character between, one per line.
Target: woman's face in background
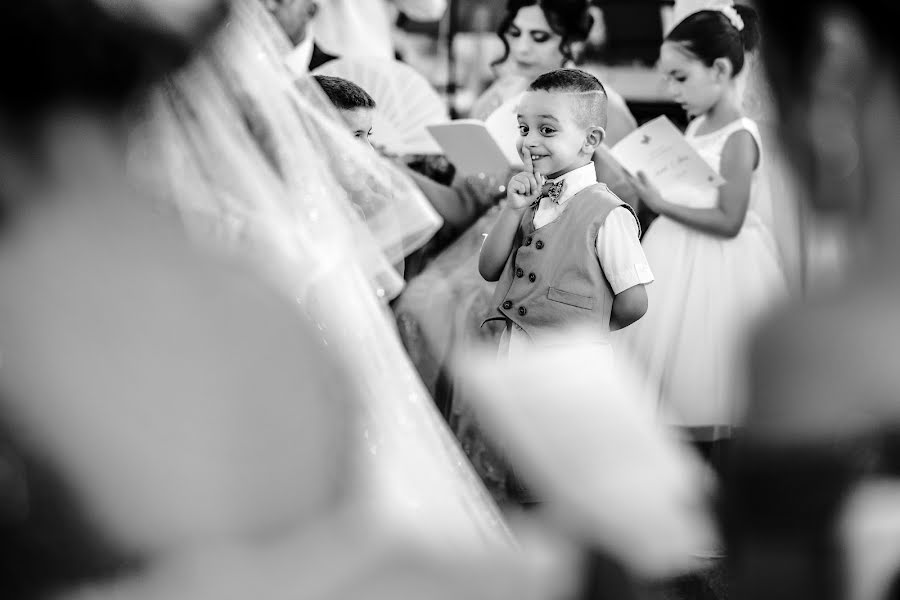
533	45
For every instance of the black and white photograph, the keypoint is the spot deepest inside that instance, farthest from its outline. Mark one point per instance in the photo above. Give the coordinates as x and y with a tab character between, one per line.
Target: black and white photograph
449	299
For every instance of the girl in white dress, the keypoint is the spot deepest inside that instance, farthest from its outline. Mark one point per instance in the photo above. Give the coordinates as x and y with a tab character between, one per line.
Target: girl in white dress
715	258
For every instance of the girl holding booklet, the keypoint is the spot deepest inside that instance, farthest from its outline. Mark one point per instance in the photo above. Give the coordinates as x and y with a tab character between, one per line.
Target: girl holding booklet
715	259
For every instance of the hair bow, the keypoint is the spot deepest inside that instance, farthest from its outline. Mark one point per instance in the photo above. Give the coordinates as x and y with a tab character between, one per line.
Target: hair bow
733	16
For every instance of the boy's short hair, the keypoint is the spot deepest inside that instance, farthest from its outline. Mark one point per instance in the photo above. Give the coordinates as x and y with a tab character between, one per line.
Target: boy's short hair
344	94
587	91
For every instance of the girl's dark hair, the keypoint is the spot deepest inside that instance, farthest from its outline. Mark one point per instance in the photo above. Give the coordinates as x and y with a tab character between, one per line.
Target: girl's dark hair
54	52
567	18
710	34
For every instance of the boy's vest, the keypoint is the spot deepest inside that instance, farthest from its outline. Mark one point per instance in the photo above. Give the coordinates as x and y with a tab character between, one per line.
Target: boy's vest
553	278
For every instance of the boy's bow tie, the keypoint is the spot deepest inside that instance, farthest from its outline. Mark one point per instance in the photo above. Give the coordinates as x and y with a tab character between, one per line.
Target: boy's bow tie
552	190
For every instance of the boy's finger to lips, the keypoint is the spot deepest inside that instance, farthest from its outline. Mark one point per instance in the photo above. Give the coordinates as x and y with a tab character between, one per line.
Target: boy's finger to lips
526	158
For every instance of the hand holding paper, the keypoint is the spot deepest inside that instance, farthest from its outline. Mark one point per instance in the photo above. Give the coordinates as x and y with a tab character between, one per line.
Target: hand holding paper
664	155
646	191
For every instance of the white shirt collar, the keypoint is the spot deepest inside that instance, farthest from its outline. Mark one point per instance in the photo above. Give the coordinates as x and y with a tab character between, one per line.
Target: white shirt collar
576	181
297	60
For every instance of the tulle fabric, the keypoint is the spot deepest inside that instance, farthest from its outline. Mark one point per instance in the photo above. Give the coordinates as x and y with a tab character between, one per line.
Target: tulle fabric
251	99
708	294
253	164
440	314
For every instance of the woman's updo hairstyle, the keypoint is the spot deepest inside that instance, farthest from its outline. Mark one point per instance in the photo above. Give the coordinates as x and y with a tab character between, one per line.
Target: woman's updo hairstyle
711	34
569	19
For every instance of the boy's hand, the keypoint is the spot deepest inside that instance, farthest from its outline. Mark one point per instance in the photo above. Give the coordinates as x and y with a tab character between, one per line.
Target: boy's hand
524	188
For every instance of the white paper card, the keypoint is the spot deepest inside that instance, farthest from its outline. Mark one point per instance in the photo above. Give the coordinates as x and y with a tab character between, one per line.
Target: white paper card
503	125
661	151
472	148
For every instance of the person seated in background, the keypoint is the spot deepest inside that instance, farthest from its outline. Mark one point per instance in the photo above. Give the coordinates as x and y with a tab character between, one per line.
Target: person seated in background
295	18
356	107
353	103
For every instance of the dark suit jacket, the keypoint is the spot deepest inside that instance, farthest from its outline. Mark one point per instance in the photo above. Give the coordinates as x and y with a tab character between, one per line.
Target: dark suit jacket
319	58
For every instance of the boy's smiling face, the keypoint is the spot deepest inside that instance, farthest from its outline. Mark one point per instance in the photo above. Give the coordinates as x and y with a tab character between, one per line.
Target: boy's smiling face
549	130
359	120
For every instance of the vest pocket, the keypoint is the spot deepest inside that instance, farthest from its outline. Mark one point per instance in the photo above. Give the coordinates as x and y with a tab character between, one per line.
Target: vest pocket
576	300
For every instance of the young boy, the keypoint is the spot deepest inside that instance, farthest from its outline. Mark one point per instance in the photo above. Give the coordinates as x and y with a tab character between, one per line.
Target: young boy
565	250
354	104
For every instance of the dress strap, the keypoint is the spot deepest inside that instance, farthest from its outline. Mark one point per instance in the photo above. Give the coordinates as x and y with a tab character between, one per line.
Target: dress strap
743	124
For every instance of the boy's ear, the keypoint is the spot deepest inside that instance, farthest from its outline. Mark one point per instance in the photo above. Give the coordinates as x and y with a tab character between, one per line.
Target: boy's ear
593	139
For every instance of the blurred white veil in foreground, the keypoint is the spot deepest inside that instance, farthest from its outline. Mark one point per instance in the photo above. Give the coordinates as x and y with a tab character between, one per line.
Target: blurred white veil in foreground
256	164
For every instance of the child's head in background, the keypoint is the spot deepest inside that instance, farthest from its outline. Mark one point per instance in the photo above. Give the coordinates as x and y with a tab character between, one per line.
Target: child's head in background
562	121
703	54
354	104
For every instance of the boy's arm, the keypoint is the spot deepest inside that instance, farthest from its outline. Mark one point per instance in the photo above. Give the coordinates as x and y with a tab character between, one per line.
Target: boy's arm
625	267
498	245
523	190
459	206
628	307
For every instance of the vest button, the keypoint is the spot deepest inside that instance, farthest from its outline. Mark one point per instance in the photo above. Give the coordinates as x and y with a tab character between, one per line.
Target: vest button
532	277
528	242
522	311
520	273
539	244
507	305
